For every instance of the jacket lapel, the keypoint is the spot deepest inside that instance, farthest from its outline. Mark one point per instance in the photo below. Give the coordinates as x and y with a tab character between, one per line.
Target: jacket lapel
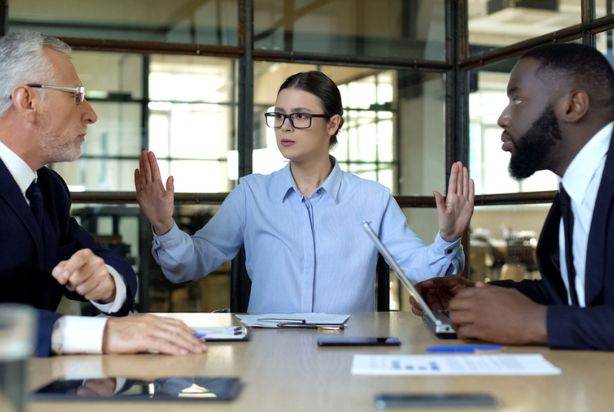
596	256
548	251
12	197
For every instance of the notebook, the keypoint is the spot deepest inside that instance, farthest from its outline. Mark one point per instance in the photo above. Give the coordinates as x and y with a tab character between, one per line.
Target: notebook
438	322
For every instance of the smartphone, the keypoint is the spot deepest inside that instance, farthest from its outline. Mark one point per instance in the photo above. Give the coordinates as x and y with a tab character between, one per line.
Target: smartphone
435	400
358	341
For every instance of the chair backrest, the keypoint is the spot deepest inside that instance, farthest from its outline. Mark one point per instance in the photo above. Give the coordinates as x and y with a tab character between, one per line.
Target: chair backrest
382	286
241	284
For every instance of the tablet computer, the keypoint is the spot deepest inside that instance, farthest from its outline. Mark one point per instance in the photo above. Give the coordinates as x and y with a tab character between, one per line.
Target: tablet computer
177	388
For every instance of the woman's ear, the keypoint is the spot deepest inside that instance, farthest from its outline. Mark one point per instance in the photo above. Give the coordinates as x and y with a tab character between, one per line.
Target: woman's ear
574	106
334	124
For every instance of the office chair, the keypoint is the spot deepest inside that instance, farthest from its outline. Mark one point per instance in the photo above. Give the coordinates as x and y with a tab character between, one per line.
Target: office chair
241	284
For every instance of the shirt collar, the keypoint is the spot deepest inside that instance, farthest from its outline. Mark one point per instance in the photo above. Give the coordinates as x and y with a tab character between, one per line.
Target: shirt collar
17	167
331	185
582	168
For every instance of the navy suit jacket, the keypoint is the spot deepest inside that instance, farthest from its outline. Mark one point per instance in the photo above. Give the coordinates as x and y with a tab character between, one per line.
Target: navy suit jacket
26	262
573	327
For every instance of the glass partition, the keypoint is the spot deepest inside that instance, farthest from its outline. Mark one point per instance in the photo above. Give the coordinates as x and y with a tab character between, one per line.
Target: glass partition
499	23
604	8
605	44
178	21
191	116
503	241
391	28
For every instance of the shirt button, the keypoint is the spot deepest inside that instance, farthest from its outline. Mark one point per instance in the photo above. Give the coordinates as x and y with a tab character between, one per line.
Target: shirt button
448	251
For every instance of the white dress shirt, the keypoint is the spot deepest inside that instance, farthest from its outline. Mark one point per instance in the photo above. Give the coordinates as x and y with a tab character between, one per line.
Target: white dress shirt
68	331
581	181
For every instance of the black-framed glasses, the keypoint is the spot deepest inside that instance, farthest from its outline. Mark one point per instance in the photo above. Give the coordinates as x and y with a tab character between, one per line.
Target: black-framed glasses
298	120
77	91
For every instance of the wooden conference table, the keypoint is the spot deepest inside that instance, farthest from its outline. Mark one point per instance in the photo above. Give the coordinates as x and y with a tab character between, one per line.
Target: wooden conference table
285	370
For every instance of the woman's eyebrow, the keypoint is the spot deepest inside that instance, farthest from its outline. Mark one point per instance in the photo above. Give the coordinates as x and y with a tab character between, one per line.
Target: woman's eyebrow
293	110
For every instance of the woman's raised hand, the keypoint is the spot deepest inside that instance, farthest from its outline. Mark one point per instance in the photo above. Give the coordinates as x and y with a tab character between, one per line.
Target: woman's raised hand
156	201
455	211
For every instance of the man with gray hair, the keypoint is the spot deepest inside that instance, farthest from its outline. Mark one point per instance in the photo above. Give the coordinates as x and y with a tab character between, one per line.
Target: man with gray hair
44	253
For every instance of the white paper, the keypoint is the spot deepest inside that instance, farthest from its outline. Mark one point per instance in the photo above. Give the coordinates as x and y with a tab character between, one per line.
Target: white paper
506	364
272	320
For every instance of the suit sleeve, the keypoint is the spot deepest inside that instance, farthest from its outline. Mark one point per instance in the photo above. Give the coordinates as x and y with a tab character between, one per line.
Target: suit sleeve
569	327
573	327
536	290
81	239
75	238
46	320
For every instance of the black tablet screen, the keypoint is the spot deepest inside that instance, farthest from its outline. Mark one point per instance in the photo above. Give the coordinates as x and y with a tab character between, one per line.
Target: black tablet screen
177	388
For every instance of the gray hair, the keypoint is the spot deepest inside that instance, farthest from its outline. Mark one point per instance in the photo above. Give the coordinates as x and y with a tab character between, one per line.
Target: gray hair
22	61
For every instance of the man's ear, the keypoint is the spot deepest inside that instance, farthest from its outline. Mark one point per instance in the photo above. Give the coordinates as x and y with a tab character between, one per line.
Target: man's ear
574	106
24	101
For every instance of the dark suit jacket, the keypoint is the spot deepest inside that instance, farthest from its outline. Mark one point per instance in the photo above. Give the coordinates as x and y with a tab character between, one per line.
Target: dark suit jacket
591	327
26	263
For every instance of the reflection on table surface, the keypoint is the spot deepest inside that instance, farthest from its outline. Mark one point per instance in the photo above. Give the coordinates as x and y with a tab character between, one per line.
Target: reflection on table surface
285	370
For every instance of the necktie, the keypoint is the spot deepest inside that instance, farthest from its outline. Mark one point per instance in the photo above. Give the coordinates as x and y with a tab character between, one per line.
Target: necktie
567	214
35	196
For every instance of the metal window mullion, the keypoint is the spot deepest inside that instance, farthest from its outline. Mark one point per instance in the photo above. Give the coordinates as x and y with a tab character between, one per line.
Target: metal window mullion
245	141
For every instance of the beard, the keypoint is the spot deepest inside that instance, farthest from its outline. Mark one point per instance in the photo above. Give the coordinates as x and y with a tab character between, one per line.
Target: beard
533	148
57	149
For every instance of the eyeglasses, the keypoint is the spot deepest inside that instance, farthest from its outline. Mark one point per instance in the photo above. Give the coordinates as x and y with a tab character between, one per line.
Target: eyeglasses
297	120
77	91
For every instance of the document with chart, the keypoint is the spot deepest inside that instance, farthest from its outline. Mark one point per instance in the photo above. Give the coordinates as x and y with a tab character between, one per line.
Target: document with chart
502	364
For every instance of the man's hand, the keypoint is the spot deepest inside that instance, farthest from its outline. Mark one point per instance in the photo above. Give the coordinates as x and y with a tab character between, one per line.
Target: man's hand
150	333
497	314
86	274
156	201
454	213
437	292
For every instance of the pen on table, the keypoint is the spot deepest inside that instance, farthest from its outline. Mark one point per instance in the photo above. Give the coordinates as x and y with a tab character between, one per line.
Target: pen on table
464	348
283	320
326	326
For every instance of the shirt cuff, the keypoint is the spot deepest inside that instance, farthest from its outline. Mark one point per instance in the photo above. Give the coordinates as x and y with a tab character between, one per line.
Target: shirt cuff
120	294
78	334
170	238
445	247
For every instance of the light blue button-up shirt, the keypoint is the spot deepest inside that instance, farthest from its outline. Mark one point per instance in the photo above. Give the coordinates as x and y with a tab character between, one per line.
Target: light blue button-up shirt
306	254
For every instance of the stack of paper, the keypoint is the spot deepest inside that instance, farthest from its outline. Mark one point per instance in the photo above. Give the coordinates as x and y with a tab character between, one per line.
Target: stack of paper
295	320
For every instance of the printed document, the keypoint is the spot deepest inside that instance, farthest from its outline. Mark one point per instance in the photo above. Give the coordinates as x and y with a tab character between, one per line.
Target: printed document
502	364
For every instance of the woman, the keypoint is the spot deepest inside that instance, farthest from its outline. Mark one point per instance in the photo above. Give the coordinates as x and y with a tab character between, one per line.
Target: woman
305	247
